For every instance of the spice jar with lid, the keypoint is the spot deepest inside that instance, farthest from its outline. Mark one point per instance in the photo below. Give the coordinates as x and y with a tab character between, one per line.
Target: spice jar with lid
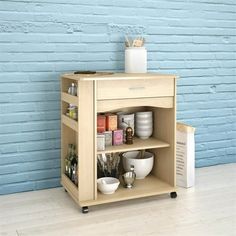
72	112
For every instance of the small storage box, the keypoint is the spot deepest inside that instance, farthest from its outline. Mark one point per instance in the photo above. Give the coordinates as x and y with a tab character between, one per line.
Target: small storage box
100	142
185	155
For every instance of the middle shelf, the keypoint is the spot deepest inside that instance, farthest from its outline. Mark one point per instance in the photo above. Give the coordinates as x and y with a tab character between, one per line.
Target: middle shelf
137	145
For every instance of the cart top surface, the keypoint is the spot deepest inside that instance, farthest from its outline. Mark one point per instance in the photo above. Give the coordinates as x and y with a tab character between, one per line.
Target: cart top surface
116	76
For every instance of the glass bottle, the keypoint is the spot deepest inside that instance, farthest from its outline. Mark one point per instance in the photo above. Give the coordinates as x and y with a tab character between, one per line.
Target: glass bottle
68	161
129	134
66	167
71	164
72	111
74	176
73	89
73	155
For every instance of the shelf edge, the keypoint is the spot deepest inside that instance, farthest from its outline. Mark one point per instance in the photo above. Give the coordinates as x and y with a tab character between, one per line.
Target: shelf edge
69	122
65	97
125	148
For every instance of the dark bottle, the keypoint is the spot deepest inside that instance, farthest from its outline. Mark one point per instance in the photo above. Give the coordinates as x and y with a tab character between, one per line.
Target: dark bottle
71	160
68	161
67	167
74	159
74	177
129	135
74	165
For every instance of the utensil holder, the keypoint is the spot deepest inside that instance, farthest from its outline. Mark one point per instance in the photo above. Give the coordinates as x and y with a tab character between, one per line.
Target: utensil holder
135	60
108	165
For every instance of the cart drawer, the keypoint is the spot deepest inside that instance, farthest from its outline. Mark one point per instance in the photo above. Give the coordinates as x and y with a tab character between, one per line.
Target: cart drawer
139	88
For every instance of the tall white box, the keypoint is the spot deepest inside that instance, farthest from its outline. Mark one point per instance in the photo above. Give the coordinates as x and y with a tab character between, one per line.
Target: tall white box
185	155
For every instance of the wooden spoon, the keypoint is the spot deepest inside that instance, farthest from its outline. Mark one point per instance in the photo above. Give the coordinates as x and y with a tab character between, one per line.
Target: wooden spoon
141	154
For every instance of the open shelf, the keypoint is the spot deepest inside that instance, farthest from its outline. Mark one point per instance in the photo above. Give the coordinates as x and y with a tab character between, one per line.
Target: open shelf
149	186
69	122
137	145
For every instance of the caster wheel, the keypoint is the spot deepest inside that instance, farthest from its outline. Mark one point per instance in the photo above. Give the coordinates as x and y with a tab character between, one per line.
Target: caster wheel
173	195
85	210
65	190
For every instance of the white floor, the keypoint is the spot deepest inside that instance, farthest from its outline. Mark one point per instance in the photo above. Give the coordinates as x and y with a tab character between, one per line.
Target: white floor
208	209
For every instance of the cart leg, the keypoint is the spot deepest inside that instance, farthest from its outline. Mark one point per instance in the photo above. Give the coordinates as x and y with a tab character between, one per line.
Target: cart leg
173	195
85	210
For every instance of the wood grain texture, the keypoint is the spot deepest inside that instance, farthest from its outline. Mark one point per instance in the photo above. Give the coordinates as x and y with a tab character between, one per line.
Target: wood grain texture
137	145
117	76
69	98
69	122
108	105
86	139
164	129
149	186
70	187
139	88
132	93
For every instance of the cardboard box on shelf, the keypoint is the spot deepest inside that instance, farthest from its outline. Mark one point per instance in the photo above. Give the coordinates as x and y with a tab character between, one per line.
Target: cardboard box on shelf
108	138
111	122
117	138
101	123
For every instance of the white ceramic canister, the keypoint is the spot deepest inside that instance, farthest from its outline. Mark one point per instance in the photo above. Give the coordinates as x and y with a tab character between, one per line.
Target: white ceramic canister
135	60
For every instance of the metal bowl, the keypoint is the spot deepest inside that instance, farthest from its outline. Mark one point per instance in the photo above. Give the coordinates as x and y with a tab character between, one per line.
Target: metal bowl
128	179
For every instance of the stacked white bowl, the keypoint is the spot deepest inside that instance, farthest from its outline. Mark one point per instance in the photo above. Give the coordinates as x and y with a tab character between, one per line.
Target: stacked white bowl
144	124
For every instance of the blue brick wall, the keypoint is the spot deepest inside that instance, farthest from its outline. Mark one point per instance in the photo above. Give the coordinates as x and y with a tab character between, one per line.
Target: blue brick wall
41	39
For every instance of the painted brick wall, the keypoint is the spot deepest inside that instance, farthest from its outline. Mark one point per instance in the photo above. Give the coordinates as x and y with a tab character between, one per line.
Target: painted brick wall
41	39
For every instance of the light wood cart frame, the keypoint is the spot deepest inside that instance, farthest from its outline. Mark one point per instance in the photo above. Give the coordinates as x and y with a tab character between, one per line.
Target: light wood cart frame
111	92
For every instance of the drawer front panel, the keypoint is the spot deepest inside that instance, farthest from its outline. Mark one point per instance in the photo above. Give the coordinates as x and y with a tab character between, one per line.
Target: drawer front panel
114	89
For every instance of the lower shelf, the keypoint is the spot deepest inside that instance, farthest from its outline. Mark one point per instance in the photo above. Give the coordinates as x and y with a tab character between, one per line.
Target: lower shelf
70	187
149	186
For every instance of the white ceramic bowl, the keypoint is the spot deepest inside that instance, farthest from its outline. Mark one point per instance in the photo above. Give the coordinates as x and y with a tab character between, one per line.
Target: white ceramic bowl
144	133
144	127
142	167
107	185
143	118
143	122
143	114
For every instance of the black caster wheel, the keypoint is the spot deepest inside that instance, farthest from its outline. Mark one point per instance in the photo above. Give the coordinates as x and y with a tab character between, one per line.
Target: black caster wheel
173	195
85	210
65	190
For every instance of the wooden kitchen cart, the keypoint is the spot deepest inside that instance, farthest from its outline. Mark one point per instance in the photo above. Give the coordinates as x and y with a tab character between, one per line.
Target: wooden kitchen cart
112	92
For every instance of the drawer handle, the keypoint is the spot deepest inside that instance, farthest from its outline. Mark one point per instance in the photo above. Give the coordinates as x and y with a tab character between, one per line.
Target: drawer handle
136	88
